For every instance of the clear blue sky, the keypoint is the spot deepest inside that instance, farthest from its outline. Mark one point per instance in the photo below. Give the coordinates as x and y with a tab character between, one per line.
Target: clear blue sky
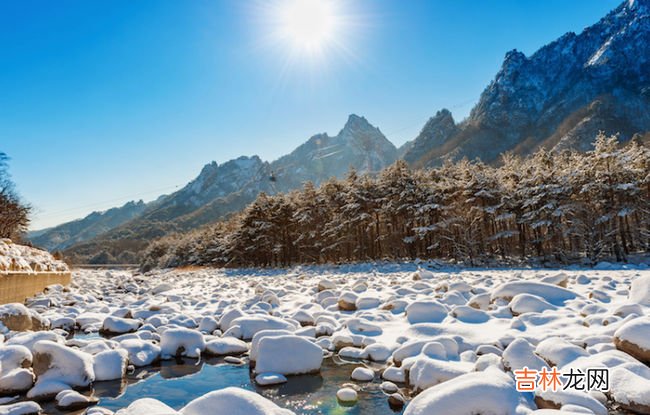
106	101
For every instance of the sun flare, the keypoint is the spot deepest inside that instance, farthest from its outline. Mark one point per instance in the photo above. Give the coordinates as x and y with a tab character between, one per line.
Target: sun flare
308	24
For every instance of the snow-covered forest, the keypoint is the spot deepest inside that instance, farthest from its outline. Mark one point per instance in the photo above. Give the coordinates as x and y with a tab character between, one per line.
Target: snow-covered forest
561	207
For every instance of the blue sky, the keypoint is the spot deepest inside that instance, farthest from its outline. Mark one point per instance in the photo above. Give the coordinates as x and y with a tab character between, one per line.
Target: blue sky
106	101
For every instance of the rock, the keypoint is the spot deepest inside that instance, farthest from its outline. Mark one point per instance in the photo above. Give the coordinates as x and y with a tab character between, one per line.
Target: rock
16	317
388	387
348	301
181	342
21	408
363	374
70	400
396	401
347	396
633	338
268	379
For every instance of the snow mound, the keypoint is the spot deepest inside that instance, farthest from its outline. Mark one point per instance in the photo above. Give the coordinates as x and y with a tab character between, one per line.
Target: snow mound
245	327
528	303
232	401
268	379
426	312
288	355
489	392
141	352
549	292
640	290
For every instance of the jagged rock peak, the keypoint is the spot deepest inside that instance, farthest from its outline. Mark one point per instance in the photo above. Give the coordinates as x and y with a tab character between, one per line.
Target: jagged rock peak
356	122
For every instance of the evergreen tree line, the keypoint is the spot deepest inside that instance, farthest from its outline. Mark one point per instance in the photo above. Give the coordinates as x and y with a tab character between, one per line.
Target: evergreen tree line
14	215
561	207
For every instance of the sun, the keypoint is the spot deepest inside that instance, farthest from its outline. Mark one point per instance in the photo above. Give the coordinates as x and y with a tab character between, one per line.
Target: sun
308	24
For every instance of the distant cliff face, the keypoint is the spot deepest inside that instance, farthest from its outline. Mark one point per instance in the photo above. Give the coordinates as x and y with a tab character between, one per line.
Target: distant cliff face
562	95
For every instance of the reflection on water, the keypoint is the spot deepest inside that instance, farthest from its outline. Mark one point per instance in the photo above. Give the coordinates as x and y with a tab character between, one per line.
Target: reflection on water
177	382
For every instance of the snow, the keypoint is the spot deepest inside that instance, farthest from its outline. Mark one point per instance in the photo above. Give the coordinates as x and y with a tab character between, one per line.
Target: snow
231	401
422	333
288	355
20	258
630	389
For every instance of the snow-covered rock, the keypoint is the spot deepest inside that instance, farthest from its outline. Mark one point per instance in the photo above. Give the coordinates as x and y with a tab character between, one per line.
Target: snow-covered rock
231	401
181	342
226	346
141	352
362	374
492	392
117	325
347	396
549	292
288	355
21	408
110	364
53	361
634	338
70	400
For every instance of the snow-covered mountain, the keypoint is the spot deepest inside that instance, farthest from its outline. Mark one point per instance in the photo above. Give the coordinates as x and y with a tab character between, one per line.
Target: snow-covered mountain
62	236
221	189
359	144
561	96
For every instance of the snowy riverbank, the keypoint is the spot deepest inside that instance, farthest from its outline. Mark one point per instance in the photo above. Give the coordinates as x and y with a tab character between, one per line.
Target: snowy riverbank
437	339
